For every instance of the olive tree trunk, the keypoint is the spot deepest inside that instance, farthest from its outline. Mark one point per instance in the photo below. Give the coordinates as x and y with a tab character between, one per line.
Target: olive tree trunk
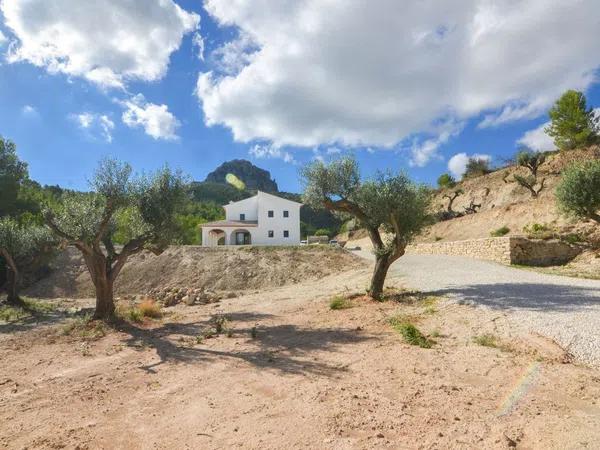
382	265
12	286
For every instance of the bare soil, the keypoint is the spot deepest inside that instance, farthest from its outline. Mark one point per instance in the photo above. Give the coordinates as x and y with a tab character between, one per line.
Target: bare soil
310	377
225	269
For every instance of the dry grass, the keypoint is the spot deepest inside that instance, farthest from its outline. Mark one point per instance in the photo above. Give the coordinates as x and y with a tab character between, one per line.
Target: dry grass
149	308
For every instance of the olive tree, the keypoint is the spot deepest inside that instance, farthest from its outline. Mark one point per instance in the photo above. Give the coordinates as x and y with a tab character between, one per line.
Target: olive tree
578	193
24	248
144	209
532	162
390	207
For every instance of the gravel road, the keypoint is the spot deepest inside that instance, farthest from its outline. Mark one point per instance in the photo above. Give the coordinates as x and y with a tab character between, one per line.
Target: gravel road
561	308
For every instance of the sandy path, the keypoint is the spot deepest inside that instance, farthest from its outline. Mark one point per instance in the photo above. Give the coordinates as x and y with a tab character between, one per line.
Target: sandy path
561	308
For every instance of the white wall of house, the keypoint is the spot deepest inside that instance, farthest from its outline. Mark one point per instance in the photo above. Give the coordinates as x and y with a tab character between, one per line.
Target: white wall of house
278	221
278	224
248	207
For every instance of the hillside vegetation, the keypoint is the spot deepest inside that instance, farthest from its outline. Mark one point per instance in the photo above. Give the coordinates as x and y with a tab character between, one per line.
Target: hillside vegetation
507	204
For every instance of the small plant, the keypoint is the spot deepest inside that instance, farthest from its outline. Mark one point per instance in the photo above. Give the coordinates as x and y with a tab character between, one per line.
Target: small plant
436	333
199	339
220	323
409	331
12	313
502	231
149	308
486	340
438	238
340	302
85	328
446	181
253	333
538	231
430	310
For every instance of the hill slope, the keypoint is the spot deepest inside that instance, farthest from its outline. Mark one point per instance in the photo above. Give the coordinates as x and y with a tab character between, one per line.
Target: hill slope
254	177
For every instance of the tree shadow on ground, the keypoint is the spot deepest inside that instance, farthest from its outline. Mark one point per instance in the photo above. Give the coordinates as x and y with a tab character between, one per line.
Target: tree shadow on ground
528	296
32	318
284	348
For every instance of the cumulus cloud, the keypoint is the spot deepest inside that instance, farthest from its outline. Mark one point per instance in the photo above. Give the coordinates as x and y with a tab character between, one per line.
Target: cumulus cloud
354	73
268	151
107	42
457	165
95	125
156	120
537	139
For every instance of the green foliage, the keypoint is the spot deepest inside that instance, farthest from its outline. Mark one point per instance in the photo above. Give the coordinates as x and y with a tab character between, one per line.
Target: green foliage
340	302
411	334
24	249
531	160
477	167
13	172
446	181
538	231
578	193
486	340
322	232
573	124
390	202
502	231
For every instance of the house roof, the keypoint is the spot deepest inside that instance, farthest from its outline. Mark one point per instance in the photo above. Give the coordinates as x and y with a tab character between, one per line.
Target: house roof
265	194
231	223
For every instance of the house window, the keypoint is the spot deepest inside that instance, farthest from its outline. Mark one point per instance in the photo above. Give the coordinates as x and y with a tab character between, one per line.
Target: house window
286	234
286	214
271	214
242	217
271	233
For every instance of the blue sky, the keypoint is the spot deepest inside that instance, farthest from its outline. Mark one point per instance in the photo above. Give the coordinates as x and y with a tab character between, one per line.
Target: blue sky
282	85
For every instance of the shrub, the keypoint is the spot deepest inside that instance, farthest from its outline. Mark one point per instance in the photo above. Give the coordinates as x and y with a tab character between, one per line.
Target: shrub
322	232
446	181
578	193
409	332
486	340
340	302
538	231
477	167
149	308
502	231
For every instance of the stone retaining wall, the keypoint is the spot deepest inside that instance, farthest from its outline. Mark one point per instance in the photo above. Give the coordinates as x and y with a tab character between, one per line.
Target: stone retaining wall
505	250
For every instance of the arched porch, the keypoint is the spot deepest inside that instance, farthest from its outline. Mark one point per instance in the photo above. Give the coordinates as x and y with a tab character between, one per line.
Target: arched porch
240	237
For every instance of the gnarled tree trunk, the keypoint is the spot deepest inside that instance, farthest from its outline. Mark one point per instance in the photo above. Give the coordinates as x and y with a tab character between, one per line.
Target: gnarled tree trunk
382	265
105	304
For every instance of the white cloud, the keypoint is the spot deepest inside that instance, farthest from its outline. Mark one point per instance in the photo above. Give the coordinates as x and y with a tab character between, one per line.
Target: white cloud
354	73
537	139
198	42
29	111
107	42
267	151
422	153
457	165
95	125
156	120
334	151
3	38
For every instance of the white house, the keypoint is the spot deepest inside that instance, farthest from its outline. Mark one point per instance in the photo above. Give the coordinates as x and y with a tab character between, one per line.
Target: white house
264	219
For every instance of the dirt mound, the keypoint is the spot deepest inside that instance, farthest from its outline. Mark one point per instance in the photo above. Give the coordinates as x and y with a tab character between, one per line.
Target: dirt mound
226	269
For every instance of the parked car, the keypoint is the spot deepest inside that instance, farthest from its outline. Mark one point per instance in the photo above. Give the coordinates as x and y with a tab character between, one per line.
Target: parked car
303	242
334	242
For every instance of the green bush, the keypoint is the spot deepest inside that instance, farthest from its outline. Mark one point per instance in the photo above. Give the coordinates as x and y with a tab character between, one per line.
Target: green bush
446	181
322	232
409	332
477	167
340	302
502	231
578	193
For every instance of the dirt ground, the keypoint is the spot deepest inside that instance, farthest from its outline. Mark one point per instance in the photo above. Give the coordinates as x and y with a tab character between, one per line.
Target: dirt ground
295	374
189	266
